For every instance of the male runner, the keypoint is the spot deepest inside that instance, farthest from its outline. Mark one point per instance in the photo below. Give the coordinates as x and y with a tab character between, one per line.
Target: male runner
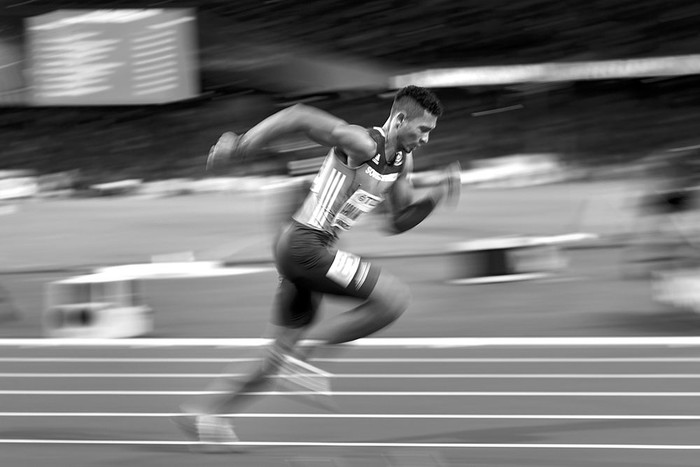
364	167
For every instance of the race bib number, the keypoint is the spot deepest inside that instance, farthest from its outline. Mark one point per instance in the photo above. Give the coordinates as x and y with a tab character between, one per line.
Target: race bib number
344	267
360	201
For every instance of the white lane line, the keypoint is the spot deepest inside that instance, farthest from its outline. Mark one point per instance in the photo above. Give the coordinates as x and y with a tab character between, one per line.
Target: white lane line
511	360
30	392
628	447
134	342
122	360
367	375
360	416
42	392
355	360
391	342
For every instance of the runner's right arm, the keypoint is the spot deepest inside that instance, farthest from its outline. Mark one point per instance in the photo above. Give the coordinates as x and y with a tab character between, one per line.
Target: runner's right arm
318	125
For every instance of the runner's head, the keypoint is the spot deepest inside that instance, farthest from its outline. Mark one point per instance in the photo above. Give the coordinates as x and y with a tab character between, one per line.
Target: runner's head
414	115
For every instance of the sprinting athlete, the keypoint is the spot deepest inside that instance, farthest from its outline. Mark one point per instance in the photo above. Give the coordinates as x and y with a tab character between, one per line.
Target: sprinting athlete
364	167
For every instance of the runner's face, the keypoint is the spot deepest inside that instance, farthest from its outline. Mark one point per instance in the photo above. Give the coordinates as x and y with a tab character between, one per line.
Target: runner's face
415	132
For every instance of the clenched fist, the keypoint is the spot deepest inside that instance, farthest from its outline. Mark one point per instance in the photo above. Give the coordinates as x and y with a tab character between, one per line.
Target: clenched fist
223	150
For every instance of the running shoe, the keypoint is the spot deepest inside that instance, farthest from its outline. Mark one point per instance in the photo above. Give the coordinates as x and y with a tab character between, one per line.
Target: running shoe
298	375
301	378
211	433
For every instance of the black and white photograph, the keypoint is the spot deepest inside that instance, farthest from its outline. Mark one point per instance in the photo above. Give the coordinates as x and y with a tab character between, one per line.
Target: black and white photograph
322	233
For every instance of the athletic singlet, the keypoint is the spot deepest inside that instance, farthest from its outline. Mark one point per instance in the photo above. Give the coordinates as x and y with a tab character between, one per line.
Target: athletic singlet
340	194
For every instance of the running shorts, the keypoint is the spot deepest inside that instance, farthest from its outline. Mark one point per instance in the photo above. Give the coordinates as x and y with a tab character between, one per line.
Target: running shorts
310	266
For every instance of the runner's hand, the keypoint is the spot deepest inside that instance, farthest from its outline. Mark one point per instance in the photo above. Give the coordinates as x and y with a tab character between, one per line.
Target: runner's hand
223	150
453	181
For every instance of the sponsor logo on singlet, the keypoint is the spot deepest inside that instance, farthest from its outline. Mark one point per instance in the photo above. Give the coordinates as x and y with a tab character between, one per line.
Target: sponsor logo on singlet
381	177
360	201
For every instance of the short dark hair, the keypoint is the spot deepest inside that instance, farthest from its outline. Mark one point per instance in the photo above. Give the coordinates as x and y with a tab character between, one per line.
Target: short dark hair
414	100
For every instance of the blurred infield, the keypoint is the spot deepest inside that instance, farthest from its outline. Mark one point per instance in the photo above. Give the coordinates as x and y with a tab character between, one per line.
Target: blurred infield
48	240
56	234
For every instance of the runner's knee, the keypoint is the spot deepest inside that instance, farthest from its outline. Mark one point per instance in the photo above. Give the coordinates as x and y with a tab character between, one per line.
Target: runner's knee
392	295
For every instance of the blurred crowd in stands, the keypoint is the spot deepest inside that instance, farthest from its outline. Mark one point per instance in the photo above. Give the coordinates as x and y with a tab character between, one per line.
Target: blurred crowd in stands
592	123
588	124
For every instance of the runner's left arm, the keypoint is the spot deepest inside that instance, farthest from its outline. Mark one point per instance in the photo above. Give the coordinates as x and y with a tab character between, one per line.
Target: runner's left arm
408	208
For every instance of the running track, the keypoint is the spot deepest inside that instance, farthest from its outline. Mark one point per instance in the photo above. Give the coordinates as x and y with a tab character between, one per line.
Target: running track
401	402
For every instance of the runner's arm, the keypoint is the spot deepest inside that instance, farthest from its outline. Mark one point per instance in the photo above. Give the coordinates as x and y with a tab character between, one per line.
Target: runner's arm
407	209
318	125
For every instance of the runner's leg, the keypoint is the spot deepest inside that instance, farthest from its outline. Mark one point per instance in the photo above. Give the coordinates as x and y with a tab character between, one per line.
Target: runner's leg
228	395
295	310
387	301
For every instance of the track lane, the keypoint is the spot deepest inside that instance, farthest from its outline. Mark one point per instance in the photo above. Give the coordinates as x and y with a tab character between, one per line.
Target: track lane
506	416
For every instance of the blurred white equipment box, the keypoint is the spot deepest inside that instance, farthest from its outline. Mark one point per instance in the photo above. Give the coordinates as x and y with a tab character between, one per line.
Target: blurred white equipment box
96	305
677	288
507	259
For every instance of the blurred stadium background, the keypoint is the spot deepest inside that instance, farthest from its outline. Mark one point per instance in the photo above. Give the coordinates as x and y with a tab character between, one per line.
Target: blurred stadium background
94	95
239	61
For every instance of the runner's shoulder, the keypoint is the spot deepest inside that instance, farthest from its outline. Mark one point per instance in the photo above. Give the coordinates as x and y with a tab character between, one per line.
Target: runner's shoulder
355	142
